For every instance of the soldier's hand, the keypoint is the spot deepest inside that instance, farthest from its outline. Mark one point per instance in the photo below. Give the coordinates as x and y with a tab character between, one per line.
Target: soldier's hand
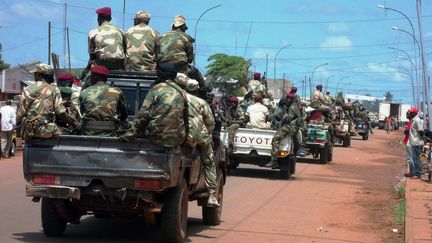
128	137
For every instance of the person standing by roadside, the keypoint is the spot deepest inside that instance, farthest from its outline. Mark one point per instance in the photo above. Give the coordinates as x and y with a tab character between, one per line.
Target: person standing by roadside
415	140
408	148
388	124
8	121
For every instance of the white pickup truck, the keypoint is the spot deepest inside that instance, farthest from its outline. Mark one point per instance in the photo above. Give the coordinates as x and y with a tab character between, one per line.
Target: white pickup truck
253	146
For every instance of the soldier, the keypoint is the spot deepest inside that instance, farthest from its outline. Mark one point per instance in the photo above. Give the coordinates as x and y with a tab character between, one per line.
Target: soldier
41	104
176	46
105	43
329	99
201	124
317	98
64	83
141	44
290	126
235	119
103	107
356	109
255	86
66	80
257	114
162	114
297	97
276	116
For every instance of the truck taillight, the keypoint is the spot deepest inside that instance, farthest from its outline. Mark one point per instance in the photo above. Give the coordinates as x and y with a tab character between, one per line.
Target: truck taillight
144	184
282	154
46	180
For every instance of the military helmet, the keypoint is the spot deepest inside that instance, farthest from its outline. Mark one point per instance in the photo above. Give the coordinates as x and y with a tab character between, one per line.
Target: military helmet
42	68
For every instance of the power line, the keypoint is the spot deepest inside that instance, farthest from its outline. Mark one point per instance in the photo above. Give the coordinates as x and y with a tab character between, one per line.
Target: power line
30	42
254	21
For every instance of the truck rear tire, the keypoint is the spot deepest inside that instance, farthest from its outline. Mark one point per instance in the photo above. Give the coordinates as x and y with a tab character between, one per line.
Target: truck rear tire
293	164
174	214
52	223
346	141
324	155
330	153
366	136
213	215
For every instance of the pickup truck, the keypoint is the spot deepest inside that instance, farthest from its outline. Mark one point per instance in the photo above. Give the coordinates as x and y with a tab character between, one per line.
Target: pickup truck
342	133
319	142
102	176
253	146
362	129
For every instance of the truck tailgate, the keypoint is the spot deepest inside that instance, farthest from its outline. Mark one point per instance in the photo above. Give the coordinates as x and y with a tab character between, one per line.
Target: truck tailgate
97	157
247	141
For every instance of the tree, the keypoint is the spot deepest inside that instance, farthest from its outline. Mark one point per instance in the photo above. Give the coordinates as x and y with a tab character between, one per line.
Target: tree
388	96
229	72
3	65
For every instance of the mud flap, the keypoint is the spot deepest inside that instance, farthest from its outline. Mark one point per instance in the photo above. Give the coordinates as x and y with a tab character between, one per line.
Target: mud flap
284	164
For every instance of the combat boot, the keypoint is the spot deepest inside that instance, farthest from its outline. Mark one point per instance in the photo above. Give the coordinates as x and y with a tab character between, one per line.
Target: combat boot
212	200
273	164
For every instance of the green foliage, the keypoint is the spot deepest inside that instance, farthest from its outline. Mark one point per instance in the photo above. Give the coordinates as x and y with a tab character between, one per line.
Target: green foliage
223	68
3	65
388	96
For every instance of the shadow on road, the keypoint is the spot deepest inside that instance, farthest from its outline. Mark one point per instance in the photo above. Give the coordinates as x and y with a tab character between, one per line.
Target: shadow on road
110	230
262	173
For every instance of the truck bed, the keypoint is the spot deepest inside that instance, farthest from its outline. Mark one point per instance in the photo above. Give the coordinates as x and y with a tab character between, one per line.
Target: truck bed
97	158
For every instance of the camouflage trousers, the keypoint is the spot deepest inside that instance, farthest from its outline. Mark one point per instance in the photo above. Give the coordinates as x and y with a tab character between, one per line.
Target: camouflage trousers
232	131
205	150
281	133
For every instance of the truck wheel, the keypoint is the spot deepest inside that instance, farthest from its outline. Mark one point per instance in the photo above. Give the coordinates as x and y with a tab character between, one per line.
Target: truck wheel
12	149
324	155
52	223
293	164
366	136
213	215
346	141
174	213
330	153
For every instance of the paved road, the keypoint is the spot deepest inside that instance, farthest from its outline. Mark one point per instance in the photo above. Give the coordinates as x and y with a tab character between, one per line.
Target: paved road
344	201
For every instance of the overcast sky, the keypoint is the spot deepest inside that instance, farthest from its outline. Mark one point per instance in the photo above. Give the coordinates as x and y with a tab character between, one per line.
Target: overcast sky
351	36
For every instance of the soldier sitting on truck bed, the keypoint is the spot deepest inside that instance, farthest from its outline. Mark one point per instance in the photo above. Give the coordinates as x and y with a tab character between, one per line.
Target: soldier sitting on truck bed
103	107
201	124
257	114
161	116
290	125
235	118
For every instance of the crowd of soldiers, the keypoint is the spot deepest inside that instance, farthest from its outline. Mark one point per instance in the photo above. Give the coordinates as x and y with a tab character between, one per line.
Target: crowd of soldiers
290	115
171	115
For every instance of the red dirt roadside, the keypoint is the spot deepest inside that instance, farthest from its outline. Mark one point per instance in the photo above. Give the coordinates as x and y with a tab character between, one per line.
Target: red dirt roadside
348	200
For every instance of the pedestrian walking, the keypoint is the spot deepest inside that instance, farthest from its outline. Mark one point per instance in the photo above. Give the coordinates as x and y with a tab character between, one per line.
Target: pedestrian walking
388	124
8	122
415	140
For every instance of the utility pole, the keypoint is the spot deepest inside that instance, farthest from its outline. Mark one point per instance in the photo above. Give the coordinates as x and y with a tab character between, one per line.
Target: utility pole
266	66
124	11
426	84
68	47
283	85
49	42
64	35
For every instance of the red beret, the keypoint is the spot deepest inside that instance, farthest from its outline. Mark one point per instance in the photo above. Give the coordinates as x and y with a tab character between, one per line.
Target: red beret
291	95
65	76
100	70
413	110
234	99
294	88
256	74
319	86
104	11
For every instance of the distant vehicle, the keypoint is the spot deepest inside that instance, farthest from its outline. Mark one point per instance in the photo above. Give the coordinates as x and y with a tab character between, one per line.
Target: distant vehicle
395	110
373	120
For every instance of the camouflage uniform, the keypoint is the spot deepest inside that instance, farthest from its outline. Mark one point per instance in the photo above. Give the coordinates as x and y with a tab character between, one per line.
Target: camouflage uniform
162	115
103	110
356	110
141	46
47	104
106	44
329	99
71	109
317	100
177	47
256	87
201	123
234	114
290	126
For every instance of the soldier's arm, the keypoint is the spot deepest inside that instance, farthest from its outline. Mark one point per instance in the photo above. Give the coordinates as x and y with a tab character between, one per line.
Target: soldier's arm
190	51
143	117
208	117
156	44
20	109
121	107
